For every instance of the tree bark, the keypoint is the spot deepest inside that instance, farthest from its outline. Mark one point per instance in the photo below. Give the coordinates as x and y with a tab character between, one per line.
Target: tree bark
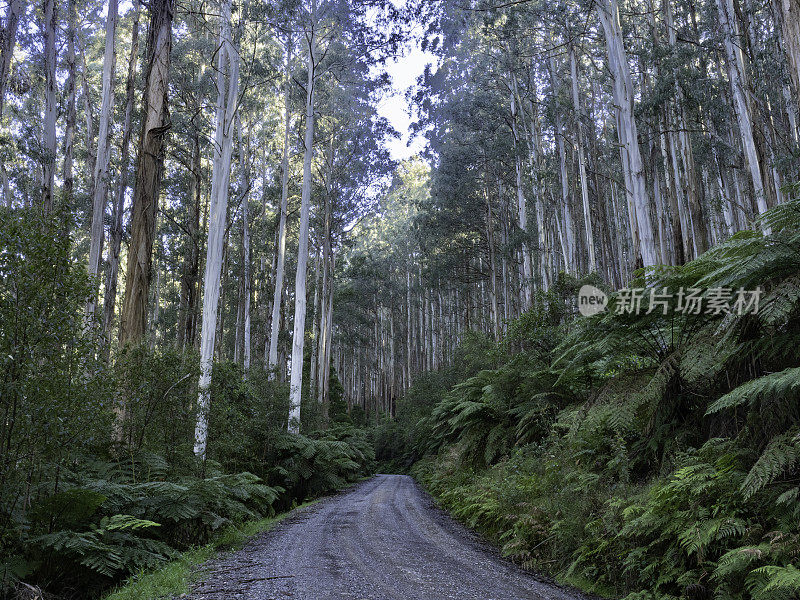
565	206
522	205
7	44
628	136
735	66
68	174
272	354
150	160
50	107
228	89
789	11
112	270
244	157
576	105
102	164
298	337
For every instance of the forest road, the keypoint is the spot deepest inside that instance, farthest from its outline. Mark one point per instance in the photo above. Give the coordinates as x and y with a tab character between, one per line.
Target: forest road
383	539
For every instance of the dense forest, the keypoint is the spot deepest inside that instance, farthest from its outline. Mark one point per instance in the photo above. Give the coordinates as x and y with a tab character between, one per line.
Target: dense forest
223	291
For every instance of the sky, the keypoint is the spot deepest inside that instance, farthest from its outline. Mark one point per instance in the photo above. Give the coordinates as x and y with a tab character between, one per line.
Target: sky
404	71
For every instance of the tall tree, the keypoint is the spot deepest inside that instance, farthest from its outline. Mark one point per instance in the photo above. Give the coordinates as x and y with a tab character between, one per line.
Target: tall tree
227	99
280	261
298	337
103	162
149	165
49	30
627	130
116	229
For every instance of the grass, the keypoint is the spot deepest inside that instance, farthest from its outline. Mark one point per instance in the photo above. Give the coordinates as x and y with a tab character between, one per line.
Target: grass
174	578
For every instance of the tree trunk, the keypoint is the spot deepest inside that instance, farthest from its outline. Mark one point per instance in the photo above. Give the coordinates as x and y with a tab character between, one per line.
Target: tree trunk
492	269
327	285
408	326
50	106
576	105
88	114
150	160
102	164
326	354
112	270
9	40
628	136
314	368
228	89
735	65
272	354
244	157
790	33
522	208
543	251
298	338
190	271
68	174
568	220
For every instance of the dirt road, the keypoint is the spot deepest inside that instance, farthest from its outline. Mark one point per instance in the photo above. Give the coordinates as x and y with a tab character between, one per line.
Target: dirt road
383	539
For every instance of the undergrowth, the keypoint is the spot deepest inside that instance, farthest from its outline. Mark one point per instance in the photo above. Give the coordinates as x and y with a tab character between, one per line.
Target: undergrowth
175	577
652	456
85	504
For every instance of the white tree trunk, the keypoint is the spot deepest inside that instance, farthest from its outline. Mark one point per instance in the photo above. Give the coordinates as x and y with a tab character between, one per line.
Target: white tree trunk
272	353
112	273
544	251
408	326
298	337
623	96
327	336
228	88
522	205
244	156
568	222
101	165
576	105
735	65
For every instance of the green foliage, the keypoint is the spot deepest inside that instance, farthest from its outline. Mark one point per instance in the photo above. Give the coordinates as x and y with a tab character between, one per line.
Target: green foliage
79	511
652	456
321	463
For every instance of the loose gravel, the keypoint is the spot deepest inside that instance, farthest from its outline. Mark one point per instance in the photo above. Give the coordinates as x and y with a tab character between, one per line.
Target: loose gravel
383	539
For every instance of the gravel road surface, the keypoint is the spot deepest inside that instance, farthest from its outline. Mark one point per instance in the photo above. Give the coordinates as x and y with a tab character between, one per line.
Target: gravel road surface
383	539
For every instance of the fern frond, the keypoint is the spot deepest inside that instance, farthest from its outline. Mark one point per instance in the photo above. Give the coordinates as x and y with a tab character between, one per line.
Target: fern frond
780	455
783	386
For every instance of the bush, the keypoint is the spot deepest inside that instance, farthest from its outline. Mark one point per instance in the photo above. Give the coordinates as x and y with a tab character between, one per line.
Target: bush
654	456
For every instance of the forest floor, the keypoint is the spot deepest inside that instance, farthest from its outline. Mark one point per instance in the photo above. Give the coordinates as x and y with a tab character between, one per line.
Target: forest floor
379	540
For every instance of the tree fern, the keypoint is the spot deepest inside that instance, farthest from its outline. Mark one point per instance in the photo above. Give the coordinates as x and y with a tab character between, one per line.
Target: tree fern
782	453
781	387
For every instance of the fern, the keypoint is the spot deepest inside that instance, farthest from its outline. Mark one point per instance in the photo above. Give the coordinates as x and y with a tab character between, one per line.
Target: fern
773	582
782	453
780	387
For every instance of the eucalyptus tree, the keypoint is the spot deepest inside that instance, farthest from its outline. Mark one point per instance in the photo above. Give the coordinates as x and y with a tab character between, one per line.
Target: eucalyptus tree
280	261
224	131
338	36
48	139
103	162
149	165
116	228
15	10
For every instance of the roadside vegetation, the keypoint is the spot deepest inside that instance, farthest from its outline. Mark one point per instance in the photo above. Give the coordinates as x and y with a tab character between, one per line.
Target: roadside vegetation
643	456
84	505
